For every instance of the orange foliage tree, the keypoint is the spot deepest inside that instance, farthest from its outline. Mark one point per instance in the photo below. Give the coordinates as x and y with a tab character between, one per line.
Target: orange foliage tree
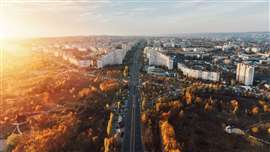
168	137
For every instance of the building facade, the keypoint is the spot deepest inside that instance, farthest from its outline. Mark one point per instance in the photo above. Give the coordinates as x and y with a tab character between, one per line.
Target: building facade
157	58
112	58
245	73
199	74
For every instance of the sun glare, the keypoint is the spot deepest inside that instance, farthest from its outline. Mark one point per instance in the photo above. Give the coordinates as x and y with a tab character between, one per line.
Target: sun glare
4	25
3	31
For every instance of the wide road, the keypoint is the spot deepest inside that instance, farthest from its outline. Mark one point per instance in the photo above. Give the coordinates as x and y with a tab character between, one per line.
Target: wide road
132	138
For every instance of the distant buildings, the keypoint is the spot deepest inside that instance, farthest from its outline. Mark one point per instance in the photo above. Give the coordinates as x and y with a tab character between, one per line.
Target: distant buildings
227	46
245	74
252	49
196	49
97	52
199	74
198	54
214	58
76	57
157	58
84	58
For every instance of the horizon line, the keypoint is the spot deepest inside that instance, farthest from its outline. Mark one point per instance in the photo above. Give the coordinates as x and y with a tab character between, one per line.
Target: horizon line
126	35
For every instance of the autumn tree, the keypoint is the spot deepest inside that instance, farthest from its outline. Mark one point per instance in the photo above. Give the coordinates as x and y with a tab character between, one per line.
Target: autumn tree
168	137
110	144
12	142
144	100
255	110
125	72
235	106
50	139
110	123
144	118
198	100
188	96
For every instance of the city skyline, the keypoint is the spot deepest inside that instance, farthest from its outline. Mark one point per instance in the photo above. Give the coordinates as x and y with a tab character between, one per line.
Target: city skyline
41	18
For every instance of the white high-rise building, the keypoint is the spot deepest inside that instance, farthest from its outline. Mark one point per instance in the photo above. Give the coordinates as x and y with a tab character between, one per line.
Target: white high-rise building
114	57
157	58
245	73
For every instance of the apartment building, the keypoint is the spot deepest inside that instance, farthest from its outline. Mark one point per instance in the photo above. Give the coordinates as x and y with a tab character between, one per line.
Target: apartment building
157	58
245	73
114	57
199	74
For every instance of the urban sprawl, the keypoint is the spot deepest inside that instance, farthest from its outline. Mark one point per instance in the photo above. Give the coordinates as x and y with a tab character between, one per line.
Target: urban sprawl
192	92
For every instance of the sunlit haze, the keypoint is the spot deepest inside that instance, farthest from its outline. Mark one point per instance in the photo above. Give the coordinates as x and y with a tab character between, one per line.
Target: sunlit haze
25	18
134	76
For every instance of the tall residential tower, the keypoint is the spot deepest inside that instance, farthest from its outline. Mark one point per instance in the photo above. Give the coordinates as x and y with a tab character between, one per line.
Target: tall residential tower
245	73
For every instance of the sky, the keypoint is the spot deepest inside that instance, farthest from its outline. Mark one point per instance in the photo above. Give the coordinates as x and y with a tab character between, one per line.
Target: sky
35	18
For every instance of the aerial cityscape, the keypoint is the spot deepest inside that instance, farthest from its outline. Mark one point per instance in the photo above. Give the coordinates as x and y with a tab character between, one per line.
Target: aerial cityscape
134	76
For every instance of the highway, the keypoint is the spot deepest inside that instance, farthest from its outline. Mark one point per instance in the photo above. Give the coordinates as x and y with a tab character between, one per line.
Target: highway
132	138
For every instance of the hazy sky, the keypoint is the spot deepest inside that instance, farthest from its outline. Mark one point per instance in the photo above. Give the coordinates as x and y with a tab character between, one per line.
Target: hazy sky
25	18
